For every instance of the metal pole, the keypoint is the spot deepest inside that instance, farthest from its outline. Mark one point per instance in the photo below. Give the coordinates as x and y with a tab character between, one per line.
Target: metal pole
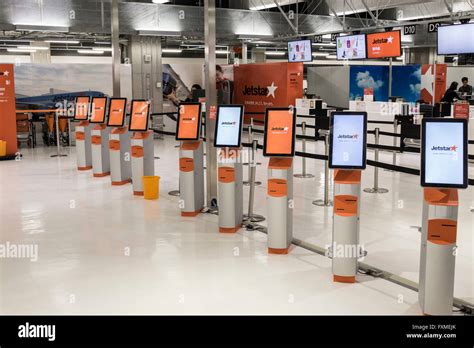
303	146
390	77
115	47
58	153
376	188
394	153
250	217
326	202
252	151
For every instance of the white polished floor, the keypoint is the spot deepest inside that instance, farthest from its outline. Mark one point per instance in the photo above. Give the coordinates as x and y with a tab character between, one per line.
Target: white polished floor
102	250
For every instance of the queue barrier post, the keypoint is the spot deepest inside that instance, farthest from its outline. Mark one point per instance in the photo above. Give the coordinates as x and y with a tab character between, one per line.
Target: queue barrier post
58	153
376	188
303	174
251	153
325	202
250	217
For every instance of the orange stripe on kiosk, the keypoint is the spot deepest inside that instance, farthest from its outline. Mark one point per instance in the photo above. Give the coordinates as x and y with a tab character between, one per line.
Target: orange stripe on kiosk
443	171
100	138
227	139
279	145
191	168
83	133
119	142
347	154
142	147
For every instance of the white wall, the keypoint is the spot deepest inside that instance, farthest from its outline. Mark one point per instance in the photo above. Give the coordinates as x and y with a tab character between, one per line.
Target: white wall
331	83
456	73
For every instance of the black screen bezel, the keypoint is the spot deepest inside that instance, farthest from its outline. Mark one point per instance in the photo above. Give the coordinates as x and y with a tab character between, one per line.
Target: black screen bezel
265	132
198	135
131	115
105	111
124	112
88	109
241	121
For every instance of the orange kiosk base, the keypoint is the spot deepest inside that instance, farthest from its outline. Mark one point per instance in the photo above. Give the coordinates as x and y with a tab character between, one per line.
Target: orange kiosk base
191	178
84	146
120	161
100	151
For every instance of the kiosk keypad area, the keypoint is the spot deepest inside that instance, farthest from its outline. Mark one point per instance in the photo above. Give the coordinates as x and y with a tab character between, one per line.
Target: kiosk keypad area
279	145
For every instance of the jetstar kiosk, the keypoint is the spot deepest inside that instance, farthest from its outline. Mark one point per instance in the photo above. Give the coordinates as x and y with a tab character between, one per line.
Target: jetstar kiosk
143	153
100	138
443	171
83	133
230	188
119	143
347	155
279	145
191	170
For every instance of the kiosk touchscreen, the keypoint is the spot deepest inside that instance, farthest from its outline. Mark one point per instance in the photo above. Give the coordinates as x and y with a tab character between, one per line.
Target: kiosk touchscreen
82	108
279	133
99	106
116	114
348	140
444	153
229	125
189	122
139	115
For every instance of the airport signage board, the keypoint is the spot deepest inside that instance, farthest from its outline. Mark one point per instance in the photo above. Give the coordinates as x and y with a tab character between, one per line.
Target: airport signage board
384	44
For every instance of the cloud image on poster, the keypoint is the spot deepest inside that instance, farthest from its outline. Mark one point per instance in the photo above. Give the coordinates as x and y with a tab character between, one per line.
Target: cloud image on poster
406	82
362	77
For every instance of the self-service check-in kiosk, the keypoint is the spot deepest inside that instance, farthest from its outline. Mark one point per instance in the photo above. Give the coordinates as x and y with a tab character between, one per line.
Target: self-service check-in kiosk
230	187
143	154
279	145
83	133
443	170
347	155
191	169
119	143
99	138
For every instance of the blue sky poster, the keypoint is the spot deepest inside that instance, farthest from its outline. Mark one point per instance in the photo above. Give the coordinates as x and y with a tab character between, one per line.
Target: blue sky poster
365	76
406	82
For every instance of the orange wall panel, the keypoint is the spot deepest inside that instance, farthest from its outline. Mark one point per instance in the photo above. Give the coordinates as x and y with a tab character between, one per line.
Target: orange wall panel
8	108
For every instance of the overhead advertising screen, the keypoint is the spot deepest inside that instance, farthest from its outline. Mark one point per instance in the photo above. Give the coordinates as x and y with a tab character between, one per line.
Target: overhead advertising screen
229	125
117	110
189	121
351	47
279	132
456	39
384	45
444	153
348	140
300	51
139	114
99	106
81	109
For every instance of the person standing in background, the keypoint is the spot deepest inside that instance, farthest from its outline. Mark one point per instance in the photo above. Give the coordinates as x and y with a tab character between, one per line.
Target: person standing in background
451	93
465	89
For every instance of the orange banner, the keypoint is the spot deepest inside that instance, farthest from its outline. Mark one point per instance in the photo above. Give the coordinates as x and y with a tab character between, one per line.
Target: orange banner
261	86
139	115
117	109
7	108
188	122
82	108
279	139
384	45
99	105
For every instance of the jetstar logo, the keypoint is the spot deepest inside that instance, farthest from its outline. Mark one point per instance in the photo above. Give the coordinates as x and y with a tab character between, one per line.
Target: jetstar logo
189	118
445	148
229	123
279	129
348	136
383	40
260	91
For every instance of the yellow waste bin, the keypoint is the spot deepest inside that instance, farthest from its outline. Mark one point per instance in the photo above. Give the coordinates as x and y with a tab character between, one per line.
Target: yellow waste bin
151	187
3	148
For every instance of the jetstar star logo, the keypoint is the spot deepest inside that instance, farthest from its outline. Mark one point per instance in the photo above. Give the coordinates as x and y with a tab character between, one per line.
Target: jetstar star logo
348	136
445	148
258	90
229	123
383	40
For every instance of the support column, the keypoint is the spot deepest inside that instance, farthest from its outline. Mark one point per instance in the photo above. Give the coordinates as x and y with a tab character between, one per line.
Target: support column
244	53
41	56
211	99
115	48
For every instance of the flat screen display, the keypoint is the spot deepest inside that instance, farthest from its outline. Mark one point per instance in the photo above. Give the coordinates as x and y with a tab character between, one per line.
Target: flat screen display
229	125
384	45
189	121
279	132
456	39
444	153
348	140
117	110
99	106
139	114
82	108
351	47
300	51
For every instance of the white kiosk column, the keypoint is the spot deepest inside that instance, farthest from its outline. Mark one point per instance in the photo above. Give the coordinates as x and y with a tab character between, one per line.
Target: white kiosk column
191	177
83	146
100	150
120	162
143	159
279	200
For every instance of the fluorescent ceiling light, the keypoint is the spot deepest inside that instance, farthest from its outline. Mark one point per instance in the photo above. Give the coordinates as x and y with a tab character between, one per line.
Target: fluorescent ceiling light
102	43
320	54
63	41
275	53
90	52
27	27
160	1
159	32
21	50
44	48
271	4
222	52
252	36
324	44
103	49
171	50
331	56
